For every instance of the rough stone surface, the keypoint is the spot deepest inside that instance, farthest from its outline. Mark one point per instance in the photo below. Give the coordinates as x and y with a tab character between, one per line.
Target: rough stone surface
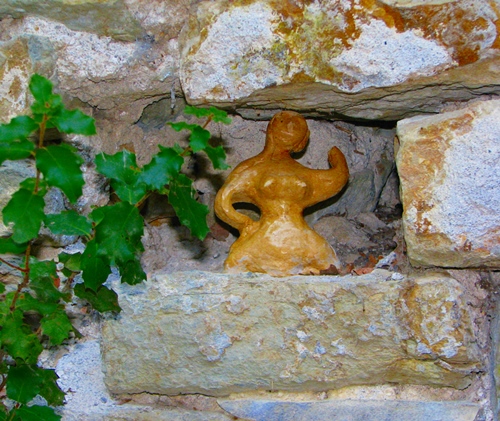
103	17
15	71
351	410
313	56
450	186
218	334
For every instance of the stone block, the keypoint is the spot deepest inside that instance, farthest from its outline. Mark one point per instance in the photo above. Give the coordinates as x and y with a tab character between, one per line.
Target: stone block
361	60
450	186
103	17
216	334
350	410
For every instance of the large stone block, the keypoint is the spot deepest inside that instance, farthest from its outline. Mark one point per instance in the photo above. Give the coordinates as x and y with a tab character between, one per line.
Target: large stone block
200	332
450	186
103	17
370	59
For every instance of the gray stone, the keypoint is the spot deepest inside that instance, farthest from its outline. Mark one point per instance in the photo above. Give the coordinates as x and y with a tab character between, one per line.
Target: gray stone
215	334
351	410
450	186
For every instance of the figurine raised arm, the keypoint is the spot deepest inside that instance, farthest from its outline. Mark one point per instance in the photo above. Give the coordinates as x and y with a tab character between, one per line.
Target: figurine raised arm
280	242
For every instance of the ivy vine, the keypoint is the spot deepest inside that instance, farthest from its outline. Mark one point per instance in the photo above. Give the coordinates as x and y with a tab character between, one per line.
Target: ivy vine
112	236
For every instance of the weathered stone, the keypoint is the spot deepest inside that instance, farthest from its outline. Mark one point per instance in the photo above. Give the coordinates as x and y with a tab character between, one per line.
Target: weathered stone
358	59
102	17
198	332
450	186
351	410
15	70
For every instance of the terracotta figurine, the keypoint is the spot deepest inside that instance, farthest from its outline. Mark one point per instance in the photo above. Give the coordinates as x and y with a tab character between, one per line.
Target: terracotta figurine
280	242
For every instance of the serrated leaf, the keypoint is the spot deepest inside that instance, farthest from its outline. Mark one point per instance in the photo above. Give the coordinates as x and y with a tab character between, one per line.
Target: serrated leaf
18	340
57	327
196	111
132	272
182	125
119	233
28	303
95	269
68	223
15	150
48	108
163	166
179	149
43	277
25	381
9	246
25	211
73	262
102	300
2	290
191	213
36	413
121	168
18	128
32	183
198	140
219	116
218	157
199	137
74	121
22	383
40	88
60	166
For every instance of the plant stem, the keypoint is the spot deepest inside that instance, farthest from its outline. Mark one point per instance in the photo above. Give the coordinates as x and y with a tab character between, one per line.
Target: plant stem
41	136
26	278
5	262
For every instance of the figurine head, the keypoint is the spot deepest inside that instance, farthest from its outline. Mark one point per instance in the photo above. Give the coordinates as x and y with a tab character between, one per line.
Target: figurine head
288	131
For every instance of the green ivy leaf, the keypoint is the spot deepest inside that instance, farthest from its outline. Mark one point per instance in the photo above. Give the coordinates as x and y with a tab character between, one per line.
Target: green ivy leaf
68	223
121	168
165	164
18	340
22	383
49	388
40	88
102	300
73	262
218	157
219	116
60	166
9	246
182	125
26	302
74	121
132	272
199	139
19	128
35	413
57	327
15	150
26	211
95	270
25	381
191	213
119	232
43	277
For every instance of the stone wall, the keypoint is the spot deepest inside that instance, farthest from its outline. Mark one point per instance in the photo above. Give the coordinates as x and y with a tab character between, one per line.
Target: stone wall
407	89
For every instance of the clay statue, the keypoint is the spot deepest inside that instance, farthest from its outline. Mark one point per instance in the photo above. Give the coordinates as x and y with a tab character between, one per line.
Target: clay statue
280	242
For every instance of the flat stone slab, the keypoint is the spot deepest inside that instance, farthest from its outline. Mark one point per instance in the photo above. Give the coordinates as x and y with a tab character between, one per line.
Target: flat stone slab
216	334
450	186
350	410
